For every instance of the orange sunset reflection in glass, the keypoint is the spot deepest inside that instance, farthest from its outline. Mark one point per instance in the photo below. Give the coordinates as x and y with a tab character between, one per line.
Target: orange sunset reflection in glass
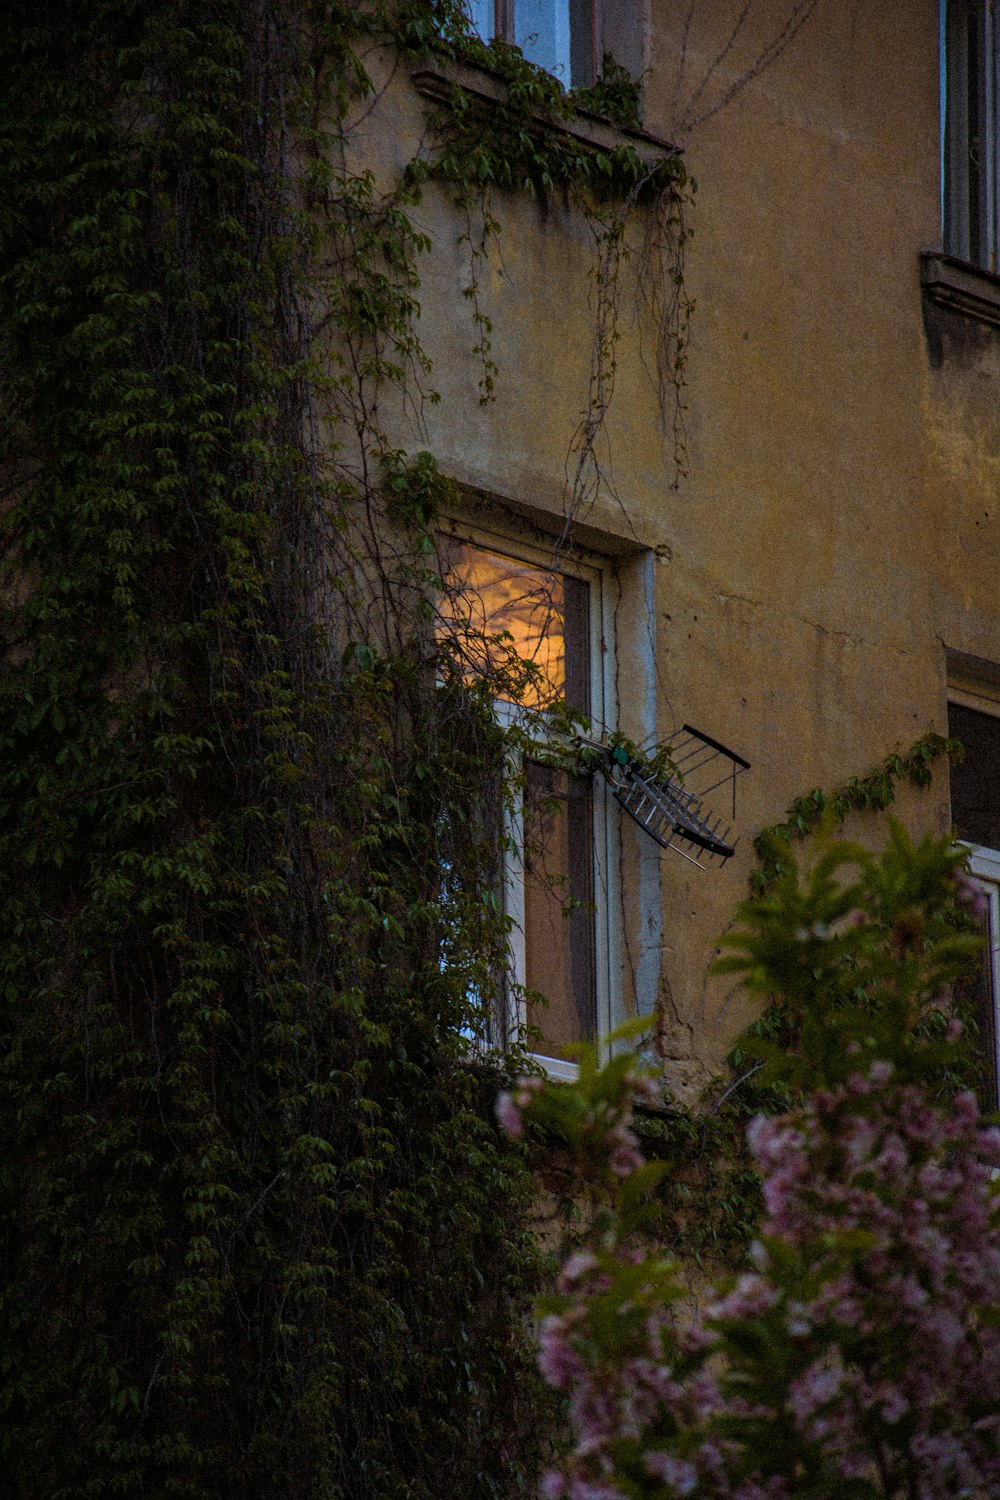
497	606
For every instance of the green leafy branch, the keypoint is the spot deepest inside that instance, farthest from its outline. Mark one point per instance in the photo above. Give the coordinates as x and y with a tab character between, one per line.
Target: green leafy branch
873	792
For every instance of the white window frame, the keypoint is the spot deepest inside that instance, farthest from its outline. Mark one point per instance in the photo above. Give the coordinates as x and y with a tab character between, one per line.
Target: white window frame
984	867
959	178
596	572
984	862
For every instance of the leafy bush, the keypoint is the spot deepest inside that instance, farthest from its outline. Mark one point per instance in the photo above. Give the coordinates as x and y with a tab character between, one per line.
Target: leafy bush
860	1356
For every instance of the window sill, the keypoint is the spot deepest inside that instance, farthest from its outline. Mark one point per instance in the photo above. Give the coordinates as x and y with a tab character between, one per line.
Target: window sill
439	81
960	286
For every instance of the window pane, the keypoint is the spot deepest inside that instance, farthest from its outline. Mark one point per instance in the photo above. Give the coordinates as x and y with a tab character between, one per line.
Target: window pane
968	149
558	35
492	606
583	60
559	907
480	13
975	783
541	30
975	811
496	604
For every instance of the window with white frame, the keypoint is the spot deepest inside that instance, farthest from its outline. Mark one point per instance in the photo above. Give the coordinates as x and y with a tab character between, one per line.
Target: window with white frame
975	812
970	91
509	596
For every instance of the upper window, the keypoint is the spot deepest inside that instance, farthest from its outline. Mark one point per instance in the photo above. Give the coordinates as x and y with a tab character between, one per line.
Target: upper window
561	36
509	600
969	90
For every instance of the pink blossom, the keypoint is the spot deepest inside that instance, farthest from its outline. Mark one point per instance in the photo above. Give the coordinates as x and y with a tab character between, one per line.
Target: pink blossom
624	1160
815	1389
509	1116
678	1473
579	1264
586	1489
528	1085
558	1360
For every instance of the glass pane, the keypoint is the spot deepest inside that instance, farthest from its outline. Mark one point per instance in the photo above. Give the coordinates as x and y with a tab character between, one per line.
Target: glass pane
480	13
497	604
541	30
967	148
559	907
975	783
583	60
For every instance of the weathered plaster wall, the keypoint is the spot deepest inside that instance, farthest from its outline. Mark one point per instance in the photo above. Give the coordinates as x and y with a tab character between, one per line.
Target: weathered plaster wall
838	525
813	566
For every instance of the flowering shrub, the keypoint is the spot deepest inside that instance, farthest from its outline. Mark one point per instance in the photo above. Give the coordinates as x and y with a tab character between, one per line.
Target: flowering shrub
859	1357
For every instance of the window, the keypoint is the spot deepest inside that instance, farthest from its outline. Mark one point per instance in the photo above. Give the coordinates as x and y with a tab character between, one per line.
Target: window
975	811
969	100
508	597
561	36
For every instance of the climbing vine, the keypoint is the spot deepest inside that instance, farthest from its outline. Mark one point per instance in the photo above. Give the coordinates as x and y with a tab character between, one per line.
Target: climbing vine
261	1233
873	792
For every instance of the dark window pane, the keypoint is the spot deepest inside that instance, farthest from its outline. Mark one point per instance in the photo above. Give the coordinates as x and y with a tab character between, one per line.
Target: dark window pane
576	633
975	784
967	124
583	63
559	906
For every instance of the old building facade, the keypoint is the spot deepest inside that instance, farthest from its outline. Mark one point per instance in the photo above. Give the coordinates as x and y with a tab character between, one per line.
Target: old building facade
722	458
812	579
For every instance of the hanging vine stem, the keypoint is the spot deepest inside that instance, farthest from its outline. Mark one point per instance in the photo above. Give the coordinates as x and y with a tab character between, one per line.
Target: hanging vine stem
658	294
695	109
584	470
479	240
661	291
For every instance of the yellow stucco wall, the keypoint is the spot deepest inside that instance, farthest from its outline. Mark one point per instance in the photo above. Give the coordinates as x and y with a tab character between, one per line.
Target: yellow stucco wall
837	526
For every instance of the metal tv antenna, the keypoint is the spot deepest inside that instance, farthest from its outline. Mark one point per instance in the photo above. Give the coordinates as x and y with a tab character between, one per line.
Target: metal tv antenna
669	807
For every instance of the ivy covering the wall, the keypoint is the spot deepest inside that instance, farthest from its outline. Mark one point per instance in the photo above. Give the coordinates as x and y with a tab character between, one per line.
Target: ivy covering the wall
260	1234
875	791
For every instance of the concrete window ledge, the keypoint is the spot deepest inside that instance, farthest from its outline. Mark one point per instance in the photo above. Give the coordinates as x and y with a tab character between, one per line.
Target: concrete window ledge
439	79
963	287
